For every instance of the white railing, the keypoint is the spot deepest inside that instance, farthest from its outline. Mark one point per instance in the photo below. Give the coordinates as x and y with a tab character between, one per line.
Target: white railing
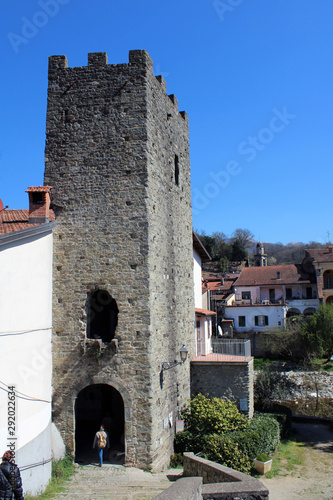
232	347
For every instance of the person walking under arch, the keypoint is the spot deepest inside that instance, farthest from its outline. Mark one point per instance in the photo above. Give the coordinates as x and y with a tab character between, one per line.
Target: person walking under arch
102	442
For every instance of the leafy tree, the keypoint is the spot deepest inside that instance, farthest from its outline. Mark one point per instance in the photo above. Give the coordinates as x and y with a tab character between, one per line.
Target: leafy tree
239	252
224	264
244	236
270	386
285	342
317	332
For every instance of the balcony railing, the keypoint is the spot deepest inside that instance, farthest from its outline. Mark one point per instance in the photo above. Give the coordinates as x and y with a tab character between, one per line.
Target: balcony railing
226	350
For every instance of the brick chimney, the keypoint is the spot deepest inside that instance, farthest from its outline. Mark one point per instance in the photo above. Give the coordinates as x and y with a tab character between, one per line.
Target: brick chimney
39	204
330	249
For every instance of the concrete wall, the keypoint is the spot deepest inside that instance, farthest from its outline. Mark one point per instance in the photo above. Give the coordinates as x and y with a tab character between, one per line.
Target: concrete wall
124	225
233	380
25	354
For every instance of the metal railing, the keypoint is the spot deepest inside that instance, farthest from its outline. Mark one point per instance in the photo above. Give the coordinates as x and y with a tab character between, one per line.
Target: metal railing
232	347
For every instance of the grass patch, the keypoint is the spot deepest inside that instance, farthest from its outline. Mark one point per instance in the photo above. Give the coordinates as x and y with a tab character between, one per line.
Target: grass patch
317	364
62	470
260	363
322	365
287	459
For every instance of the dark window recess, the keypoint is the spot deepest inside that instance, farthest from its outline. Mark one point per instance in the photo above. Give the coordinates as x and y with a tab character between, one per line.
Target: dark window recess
241	321
176	170
37	198
261	320
246	295
288	293
309	293
102	316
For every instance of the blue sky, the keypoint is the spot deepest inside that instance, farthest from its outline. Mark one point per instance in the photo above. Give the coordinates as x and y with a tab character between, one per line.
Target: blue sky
255	77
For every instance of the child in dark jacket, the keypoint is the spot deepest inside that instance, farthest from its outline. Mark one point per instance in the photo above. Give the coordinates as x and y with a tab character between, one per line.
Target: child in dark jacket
12	474
6	492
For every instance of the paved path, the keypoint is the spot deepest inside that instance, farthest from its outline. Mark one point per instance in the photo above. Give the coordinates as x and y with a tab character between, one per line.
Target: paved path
314	479
116	482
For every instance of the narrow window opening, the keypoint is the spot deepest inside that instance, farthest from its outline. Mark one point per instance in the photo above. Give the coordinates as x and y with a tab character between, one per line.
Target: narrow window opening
241	321
102	316
176	170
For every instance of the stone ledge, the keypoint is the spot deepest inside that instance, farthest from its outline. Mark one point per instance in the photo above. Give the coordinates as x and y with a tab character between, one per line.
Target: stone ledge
221	482
185	488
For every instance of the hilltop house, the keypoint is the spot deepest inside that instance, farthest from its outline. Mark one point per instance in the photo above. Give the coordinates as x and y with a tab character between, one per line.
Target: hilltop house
266	296
322	262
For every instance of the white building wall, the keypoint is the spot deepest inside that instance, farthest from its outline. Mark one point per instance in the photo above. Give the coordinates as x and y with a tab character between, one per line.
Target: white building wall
276	316
25	353
197	279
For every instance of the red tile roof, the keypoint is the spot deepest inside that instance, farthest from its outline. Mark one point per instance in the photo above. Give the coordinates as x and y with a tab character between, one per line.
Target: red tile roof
204	312
321	254
15	220
268	275
39	189
215	285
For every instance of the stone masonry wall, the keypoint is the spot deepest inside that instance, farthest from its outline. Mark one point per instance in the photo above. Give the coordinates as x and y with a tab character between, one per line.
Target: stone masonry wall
224	379
125	227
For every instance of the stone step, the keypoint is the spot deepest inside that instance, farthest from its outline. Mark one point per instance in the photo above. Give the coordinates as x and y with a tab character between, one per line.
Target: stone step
116	482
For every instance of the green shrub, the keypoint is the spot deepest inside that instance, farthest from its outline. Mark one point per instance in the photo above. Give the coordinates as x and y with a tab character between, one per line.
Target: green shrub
269	432
204	415
186	441
224	450
283	415
248	441
176	460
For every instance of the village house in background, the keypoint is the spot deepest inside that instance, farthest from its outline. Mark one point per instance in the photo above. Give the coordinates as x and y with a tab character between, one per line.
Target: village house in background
221	367
262	298
322	262
26	241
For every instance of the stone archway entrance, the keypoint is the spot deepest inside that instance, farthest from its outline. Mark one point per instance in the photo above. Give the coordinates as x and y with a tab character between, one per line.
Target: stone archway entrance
95	405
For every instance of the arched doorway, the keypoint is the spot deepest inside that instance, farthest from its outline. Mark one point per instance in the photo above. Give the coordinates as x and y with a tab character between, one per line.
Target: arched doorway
95	405
309	311
329	299
293	312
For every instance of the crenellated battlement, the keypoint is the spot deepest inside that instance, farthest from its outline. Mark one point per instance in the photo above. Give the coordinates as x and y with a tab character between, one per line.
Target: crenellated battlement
97	61
137	58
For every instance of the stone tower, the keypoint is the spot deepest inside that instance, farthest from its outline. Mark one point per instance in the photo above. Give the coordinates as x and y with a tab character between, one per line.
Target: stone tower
117	158
260	257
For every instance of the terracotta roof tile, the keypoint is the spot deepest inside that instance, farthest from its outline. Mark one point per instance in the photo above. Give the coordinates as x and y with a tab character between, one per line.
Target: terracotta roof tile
204	312
321	254
39	189
289	274
16	220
